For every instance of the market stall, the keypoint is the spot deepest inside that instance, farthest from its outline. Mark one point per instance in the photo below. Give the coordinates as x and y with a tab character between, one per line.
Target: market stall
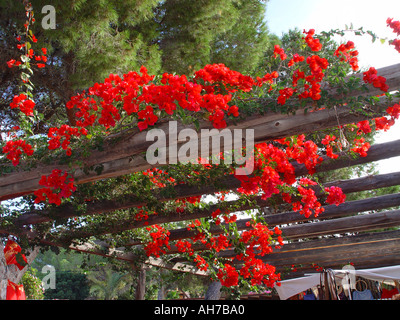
344	284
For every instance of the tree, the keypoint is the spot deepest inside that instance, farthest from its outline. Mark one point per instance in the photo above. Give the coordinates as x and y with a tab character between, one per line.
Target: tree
107	284
242	47
92	40
229	32
70	286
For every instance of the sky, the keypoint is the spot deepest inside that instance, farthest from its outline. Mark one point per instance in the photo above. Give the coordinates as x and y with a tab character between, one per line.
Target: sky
324	15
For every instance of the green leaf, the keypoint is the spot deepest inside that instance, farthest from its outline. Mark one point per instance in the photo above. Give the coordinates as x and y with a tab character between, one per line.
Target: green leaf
20	259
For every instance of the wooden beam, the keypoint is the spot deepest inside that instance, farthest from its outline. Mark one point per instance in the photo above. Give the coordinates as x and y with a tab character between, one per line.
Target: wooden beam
331	211
334	250
359	184
376	152
354	224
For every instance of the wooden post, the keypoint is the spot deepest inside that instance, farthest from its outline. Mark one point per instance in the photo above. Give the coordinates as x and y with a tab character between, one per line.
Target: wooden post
3	274
141	283
213	291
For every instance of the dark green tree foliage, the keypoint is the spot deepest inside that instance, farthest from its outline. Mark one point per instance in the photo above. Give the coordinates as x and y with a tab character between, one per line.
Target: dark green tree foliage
104	37
194	33
94	38
70	286
91	40
187	28
241	48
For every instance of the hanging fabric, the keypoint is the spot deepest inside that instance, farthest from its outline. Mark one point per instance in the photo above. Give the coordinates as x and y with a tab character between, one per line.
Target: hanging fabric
15	291
12	254
363	294
327	289
309	295
388	293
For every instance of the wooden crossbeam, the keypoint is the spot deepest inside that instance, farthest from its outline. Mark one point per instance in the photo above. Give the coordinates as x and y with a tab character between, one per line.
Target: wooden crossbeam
376	152
354	224
284	218
345	225
335	251
359	184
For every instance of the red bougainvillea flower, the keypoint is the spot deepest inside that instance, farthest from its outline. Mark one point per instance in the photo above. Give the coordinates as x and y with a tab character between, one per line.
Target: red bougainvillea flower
267	78
285	94
184	246
394	111
14	149
22	102
278	51
148	117
61	137
228	276
12	63
233	80
57	185
395	25
371	76
296	59
313	43
335	195
160	241
347	53
396	44
201	263
234	110
297	75
383	123
361	147
363	127
308	202
328	141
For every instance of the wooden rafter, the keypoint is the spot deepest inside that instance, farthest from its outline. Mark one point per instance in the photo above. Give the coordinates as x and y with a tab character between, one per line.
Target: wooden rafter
376	152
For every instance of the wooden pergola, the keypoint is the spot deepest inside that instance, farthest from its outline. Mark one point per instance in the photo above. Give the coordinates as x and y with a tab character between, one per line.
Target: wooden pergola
356	231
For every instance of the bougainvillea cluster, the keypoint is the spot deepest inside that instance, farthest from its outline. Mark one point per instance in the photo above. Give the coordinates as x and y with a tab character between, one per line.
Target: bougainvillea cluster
159	241
14	148
346	52
61	137
22	102
395	25
371	76
57	185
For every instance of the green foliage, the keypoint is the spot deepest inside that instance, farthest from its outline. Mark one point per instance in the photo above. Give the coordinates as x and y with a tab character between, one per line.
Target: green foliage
32	285
95	38
70	286
106	284
101	37
242	47
62	261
